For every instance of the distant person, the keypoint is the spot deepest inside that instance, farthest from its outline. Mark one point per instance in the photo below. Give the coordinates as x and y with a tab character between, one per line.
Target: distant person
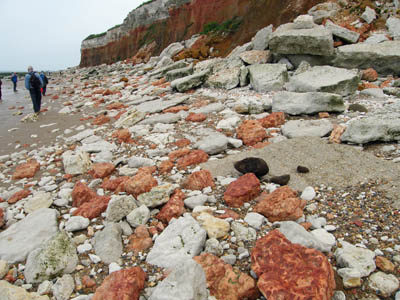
0	87
34	83
14	79
45	82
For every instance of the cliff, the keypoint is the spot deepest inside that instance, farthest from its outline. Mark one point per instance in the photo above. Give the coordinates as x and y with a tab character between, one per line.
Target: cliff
162	22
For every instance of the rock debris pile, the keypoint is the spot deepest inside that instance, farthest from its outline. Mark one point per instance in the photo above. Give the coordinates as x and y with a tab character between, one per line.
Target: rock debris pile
270	174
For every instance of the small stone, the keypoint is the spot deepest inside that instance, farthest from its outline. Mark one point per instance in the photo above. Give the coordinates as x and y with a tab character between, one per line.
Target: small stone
308	193
255	165
281	180
302	169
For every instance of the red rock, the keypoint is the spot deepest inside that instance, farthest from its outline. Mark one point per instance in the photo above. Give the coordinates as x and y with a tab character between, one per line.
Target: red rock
18	196
113	184
261	145
173	208
141	183
26	170
100	120
368	85
242	190
251	132
323	115
193	117
182	143
101	170
225	282
117	116
199	180
165	167
140	240
122	285
123	135
336	134
281	205
115	105
176	109
195	157
93	208
369	75
274	119
149	169
55	97
82	194
88	282
229	214
174	155
107	92
383	264
289	271
2	218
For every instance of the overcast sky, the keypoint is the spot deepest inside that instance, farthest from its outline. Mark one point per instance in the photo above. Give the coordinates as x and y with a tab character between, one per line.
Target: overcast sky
47	34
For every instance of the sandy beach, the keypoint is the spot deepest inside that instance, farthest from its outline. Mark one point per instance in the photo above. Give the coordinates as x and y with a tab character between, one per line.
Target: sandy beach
16	135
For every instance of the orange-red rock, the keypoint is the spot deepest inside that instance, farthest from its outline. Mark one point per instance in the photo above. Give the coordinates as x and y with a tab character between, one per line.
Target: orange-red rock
174	155
140	240
369	75
101	170
173	208
225	282
337	133
176	109
113	184
242	190
165	167
193	117
141	183
88	282
289	271
115	105
199	180
251	132
93	208
122	285
123	135
82	194
18	196
281	205
2	219
195	157
100	120
26	170
274	119
182	143
383	264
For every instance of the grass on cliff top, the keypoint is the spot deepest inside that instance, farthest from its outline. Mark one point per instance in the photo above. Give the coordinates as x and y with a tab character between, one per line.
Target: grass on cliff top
229	26
93	36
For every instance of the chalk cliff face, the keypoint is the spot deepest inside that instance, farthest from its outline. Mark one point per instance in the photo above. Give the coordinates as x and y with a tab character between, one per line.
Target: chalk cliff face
168	21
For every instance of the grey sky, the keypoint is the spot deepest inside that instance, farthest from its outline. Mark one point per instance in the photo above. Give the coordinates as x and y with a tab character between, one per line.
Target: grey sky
47	34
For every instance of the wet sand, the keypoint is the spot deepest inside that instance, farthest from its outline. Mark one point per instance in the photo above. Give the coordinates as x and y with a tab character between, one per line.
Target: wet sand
16	135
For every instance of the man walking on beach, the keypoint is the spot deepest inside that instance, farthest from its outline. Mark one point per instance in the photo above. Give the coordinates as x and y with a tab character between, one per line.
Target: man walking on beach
14	79
34	83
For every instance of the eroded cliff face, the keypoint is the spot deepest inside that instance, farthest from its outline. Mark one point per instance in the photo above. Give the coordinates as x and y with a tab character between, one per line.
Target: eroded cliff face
168	21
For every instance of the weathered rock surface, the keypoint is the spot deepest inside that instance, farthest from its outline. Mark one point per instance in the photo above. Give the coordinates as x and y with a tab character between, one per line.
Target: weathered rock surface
76	162
299	128
287	39
268	77
186	281
325	79
283	267
184	238
307	103
383	57
107	243
21	238
57	256
373	128
11	292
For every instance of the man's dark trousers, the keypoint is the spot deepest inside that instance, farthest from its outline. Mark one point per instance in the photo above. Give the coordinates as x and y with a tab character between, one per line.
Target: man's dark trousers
36	97
15	86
